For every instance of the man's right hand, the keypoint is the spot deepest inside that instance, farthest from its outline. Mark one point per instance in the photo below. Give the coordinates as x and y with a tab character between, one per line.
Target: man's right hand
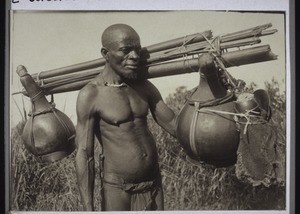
206	62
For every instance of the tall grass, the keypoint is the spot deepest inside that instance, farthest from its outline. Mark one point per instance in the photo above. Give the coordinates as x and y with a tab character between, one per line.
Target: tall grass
52	187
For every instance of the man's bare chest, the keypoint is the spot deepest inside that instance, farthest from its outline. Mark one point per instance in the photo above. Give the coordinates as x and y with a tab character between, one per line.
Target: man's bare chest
120	105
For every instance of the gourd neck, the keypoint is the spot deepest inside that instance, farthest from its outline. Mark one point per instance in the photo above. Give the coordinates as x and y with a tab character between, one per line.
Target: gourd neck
211	86
35	93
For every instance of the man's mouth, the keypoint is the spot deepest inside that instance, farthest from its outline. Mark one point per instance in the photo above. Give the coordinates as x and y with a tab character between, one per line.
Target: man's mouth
131	66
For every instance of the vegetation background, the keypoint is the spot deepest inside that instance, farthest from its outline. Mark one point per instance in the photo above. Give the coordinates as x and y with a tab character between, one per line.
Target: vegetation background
52	187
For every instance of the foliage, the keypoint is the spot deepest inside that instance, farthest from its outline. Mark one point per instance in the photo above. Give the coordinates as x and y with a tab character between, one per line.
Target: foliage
52	187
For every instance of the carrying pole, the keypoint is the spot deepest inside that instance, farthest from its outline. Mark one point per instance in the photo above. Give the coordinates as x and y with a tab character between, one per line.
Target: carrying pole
230	59
189	39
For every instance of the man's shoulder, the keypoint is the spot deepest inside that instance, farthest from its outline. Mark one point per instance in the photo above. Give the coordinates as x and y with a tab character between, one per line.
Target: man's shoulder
88	90
149	86
146	84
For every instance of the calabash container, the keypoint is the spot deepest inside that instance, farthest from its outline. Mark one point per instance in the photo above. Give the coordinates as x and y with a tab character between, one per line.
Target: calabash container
48	133
206	129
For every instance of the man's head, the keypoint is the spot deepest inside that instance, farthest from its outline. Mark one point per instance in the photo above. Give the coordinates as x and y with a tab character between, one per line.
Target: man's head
121	49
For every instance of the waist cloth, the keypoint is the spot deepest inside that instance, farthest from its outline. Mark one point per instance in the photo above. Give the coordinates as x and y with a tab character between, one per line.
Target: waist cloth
142	194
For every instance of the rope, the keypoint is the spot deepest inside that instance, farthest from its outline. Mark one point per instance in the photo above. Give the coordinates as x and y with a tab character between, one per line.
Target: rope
31	133
212	47
187	62
64	125
185	55
186	42
33	114
52	109
247	115
183	51
213	102
38	76
215	50
193	129
52	100
183	45
39	80
36	96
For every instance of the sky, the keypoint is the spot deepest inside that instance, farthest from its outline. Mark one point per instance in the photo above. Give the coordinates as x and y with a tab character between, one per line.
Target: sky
47	40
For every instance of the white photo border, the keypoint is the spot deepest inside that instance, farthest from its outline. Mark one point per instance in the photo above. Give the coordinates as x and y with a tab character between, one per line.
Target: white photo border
228	5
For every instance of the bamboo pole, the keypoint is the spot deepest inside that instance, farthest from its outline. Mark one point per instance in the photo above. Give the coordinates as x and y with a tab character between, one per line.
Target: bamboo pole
189	39
248	56
174	43
198	48
225	42
176	53
74	77
68	78
74	86
230	59
240	43
254	31
61	78
264	26
69	69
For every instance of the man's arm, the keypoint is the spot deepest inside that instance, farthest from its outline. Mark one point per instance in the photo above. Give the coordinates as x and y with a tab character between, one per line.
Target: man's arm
161	113
85	146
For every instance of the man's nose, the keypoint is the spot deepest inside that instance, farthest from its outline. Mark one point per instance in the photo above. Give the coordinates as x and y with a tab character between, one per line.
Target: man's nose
134	54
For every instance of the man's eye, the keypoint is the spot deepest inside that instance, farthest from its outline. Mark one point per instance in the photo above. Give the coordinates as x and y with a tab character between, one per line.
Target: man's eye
125	50
128	50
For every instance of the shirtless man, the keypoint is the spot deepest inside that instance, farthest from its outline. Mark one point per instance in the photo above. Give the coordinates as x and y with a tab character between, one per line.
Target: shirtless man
114	107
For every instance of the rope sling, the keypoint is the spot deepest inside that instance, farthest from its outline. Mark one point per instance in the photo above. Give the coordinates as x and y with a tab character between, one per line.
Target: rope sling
250	116
34	114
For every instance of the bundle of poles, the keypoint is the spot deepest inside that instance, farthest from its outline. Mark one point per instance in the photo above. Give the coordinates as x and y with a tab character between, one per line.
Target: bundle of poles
176	56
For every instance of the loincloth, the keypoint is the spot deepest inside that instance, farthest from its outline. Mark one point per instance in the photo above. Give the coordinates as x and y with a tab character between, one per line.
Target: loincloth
142	194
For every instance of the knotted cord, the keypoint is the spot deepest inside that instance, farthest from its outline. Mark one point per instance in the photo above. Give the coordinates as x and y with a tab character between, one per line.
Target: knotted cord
51	109
39	80
248	115
251	116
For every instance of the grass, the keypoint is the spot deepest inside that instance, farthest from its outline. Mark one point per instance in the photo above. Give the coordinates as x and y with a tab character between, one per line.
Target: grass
52	187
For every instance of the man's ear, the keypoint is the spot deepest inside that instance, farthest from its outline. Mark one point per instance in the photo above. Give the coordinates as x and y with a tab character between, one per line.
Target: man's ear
104	52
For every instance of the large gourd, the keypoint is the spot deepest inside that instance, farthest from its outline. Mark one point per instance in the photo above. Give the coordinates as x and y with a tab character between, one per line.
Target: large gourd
205	131
48	133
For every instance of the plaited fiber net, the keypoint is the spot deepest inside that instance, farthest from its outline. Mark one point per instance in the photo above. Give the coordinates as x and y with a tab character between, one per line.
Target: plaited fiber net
260	161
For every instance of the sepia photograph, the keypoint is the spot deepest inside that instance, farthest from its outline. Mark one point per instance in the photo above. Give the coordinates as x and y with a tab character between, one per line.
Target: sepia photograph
182	110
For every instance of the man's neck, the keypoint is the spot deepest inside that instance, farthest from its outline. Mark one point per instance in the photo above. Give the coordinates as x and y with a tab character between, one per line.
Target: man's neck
110	76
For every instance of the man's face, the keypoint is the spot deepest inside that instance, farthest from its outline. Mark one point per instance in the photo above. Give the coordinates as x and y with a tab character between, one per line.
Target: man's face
124	55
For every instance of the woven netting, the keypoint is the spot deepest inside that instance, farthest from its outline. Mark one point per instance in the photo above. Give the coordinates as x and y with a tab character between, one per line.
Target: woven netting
260	161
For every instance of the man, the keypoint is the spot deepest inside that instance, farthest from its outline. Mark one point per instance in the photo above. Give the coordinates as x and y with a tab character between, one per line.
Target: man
114	107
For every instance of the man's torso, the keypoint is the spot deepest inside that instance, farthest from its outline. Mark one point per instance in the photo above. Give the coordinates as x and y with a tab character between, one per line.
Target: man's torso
129	148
